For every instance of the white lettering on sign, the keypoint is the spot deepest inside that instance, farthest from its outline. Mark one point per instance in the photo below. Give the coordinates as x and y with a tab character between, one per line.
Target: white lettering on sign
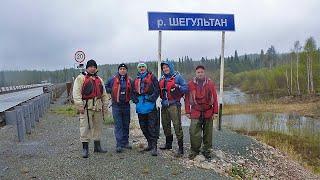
173	22
206	23
217	23
194	22
182	21
224	22
159	22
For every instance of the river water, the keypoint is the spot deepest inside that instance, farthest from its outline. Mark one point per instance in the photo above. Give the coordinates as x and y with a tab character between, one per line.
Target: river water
291	124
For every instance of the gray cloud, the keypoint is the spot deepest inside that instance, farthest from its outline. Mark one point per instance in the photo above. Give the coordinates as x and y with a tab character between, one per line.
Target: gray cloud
45	34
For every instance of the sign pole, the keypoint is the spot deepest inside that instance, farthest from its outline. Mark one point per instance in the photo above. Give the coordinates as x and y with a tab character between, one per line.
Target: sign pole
159	74
159	54
221	80
175	21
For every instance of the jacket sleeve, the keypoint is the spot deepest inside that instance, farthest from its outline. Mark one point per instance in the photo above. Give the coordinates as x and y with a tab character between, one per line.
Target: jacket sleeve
105	97
76	93
182	85
133	94
215	99
109	85
187	102
156	90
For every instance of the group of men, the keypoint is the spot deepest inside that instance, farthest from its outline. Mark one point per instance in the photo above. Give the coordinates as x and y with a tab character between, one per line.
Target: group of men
90	96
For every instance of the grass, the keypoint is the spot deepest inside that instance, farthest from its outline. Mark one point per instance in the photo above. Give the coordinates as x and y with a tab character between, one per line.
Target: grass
305	150
67	110
70	110
304	109
108	119
239	172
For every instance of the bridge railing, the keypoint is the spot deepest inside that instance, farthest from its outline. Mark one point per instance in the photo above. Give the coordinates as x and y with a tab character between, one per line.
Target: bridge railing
8	89
26	114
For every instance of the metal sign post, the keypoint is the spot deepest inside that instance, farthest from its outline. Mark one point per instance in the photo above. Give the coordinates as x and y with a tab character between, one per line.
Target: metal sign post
169	21
159	71
221	80
159	54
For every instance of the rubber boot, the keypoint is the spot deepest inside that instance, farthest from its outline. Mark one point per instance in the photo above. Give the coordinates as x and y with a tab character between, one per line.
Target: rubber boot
85	149
154	150
97	147
168	144
180	151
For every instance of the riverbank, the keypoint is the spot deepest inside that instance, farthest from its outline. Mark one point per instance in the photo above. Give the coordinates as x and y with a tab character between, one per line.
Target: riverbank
307	106
303	150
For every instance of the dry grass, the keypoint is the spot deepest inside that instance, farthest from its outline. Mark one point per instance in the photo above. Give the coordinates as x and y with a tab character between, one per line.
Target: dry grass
304	150
309	109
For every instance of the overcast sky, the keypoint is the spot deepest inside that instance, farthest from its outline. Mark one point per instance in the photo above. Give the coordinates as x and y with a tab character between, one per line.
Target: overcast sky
44	34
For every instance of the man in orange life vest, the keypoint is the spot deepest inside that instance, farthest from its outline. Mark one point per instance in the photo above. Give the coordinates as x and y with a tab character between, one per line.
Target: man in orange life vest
89	96
145	95
201	105
119	86
172	89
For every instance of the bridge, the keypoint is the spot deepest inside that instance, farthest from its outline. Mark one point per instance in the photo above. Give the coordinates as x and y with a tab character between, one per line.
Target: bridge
23	105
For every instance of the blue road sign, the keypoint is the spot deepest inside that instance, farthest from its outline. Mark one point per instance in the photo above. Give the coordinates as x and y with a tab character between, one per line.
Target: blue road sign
161	21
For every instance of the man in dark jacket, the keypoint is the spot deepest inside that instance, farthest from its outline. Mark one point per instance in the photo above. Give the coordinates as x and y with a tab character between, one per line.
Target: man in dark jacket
145	95
120	88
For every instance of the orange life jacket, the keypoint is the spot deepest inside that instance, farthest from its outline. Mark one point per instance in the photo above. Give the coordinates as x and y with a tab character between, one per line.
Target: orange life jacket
92	87
147	84
116	89
166	86
201	98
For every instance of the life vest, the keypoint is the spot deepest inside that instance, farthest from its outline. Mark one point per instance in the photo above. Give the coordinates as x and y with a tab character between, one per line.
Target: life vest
201	98
147	81
117	87
166	86
92	87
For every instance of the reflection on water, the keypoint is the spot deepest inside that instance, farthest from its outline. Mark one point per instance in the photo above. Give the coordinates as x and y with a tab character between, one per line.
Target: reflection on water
234	96
285	123
290	124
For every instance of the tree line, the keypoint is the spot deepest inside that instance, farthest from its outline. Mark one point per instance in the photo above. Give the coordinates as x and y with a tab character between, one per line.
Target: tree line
268	72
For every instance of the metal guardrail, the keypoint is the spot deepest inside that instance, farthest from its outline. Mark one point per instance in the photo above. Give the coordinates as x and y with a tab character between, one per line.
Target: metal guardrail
21	87
24	115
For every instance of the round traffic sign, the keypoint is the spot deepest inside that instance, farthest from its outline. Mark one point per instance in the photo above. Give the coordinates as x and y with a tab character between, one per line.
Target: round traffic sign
79	56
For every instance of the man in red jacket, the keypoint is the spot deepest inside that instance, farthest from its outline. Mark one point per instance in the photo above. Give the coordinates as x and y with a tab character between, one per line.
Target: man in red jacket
201	105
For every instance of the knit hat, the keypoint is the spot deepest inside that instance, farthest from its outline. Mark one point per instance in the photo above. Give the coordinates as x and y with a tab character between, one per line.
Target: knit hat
91	63
142	64
122	65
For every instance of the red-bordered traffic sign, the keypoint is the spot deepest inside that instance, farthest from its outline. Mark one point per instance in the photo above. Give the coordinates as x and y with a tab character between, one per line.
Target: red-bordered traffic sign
79	56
